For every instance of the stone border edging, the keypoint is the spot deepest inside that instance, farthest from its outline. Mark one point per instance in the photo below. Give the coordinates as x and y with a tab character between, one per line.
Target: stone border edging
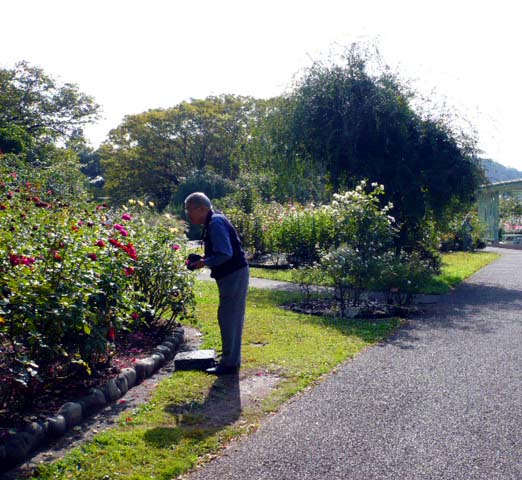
17	447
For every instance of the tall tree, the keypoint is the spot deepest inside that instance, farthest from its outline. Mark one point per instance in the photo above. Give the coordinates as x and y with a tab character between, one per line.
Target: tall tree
363	125
39	118
149	154
271	162
47	110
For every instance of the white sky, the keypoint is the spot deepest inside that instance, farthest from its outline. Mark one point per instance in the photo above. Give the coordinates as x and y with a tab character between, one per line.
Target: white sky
135	55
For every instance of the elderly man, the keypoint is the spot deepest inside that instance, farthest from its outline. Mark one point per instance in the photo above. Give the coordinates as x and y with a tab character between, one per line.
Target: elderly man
225	257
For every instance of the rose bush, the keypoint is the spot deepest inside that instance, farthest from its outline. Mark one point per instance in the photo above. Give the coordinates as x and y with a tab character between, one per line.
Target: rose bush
70	279
163	284
402	277
348	244
258	228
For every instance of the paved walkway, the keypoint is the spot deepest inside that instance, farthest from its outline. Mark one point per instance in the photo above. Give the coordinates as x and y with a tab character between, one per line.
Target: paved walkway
442	399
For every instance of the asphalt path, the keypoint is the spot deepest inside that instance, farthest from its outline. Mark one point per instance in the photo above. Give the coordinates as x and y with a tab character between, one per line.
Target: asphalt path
441	399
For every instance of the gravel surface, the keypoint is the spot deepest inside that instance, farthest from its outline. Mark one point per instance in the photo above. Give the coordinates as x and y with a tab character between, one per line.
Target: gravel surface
441	399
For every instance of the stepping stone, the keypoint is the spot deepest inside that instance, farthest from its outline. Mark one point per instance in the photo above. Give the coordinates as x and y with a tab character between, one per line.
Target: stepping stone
195	360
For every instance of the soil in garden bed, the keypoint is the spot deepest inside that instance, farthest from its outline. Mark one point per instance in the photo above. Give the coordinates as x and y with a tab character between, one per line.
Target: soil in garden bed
274	261
329	307
128	347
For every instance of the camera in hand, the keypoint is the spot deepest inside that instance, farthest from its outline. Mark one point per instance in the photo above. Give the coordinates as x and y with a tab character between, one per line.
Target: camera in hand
193	257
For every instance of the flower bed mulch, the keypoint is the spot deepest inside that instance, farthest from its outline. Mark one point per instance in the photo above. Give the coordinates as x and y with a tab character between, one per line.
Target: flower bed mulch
128	348
370	310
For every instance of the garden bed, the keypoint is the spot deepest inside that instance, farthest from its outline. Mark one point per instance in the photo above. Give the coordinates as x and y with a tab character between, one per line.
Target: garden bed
275	261
369	310
128	348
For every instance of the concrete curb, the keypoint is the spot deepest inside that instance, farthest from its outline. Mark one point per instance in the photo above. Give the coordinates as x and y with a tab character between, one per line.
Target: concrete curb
17	447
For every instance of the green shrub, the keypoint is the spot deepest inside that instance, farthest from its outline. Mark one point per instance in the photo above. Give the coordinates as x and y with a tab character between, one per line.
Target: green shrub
303	233
69	282
213	185
451	237
165	286
402	277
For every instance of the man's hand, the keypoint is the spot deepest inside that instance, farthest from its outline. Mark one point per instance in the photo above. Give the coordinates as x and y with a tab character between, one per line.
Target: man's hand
197	265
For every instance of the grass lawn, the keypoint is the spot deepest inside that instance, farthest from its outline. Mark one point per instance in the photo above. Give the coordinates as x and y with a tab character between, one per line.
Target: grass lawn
456	267
170	434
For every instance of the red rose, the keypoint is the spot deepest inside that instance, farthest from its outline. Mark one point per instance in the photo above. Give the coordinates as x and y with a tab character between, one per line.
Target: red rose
14	259
115	242
129	271
130	250
111	334
28	260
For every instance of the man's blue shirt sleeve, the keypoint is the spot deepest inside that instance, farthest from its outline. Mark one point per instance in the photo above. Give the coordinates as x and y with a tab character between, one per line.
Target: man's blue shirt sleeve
221	246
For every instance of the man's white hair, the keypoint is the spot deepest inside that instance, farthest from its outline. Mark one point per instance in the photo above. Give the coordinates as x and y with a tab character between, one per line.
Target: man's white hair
198	199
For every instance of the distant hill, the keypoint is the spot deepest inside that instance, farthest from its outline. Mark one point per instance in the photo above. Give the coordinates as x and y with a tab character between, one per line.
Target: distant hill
497	172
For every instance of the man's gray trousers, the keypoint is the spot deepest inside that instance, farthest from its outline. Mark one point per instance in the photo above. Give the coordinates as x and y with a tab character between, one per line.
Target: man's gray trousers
233	290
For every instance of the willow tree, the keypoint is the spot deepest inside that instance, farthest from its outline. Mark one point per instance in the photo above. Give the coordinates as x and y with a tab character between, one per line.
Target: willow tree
361	123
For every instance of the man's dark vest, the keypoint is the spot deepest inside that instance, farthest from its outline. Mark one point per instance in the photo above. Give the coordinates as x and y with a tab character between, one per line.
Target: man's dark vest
238	259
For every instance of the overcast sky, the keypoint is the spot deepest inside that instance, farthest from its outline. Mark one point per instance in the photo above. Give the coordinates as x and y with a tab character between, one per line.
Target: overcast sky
136	55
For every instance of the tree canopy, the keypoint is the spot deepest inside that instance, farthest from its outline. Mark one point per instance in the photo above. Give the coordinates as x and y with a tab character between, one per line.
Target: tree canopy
363	125
33	101
343	121
40	119
151	153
